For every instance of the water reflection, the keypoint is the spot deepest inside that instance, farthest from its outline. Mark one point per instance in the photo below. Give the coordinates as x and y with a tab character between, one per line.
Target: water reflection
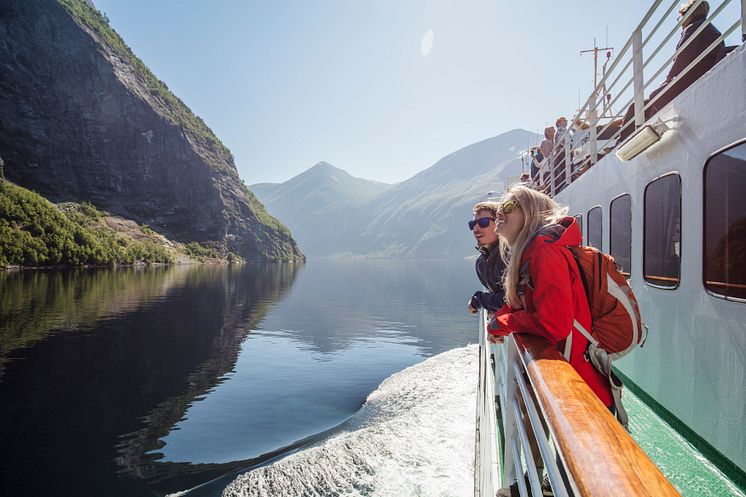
116	352
33	304
336	303
147	381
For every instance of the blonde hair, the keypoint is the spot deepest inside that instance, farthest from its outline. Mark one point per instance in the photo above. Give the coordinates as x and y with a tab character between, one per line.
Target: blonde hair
539	210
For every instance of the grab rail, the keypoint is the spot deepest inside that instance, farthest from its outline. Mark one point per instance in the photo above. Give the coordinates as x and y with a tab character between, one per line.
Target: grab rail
596	135
585	442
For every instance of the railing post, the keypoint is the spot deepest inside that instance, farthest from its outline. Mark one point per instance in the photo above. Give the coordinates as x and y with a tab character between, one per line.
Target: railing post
511	431
593	131
638	80
566	139
743	20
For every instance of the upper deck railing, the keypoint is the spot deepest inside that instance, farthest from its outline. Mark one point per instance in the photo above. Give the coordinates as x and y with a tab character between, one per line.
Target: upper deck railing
642	62
541	410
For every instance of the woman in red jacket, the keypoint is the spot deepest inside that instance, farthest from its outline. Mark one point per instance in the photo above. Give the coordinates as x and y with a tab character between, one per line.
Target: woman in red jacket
544	293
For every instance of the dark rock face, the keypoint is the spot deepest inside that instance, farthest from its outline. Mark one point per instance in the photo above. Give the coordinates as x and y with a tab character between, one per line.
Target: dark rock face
79	122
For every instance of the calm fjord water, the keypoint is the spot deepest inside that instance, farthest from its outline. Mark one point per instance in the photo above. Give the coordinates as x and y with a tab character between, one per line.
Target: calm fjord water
151	380
147	381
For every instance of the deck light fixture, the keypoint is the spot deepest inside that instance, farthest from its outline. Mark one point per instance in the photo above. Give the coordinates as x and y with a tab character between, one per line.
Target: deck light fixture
641	140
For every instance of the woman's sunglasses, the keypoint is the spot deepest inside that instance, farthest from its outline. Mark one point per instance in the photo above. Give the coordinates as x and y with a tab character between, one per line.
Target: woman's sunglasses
508	206
483	222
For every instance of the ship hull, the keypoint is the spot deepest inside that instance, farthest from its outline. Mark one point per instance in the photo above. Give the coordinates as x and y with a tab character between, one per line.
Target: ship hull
692	364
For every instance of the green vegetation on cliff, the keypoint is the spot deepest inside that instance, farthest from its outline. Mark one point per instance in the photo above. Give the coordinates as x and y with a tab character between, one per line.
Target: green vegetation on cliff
263	216
177	111
35	232
210	251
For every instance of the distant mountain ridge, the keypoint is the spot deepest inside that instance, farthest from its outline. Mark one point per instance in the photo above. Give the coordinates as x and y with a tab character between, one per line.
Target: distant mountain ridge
422	217
317	204
320	186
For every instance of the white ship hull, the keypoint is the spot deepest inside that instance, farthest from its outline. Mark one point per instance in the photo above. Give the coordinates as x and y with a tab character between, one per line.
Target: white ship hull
693	361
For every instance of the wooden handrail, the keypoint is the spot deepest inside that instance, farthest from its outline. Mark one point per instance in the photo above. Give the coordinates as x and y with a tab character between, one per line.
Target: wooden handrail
601	458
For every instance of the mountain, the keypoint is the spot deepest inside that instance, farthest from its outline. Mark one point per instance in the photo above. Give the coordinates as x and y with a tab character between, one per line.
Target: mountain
317	203
83	119
319	187
422	217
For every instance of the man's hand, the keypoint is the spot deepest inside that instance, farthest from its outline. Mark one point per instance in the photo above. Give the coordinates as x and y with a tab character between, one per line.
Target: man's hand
474	304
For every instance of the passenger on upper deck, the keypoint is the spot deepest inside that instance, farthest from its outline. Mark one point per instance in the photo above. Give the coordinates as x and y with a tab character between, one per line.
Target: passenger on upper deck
546	147
489	265
536	158
543	288
558	157
548	143
674	84
561	124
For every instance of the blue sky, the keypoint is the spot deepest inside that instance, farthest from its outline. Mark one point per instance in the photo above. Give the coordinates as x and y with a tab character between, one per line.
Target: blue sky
286	84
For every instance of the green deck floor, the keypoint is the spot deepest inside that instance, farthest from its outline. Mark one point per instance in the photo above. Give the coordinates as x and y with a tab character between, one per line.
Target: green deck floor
691	473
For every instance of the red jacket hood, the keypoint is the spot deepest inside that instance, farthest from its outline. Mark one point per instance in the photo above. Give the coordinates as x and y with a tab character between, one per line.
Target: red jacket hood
565	232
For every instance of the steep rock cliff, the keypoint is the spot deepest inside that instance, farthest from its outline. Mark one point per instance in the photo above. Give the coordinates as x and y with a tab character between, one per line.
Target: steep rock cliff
82	118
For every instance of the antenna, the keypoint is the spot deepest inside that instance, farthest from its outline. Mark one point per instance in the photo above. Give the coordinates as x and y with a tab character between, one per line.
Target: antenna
595	51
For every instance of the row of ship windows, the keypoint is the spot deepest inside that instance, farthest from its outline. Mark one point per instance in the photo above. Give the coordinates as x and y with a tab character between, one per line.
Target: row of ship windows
724	229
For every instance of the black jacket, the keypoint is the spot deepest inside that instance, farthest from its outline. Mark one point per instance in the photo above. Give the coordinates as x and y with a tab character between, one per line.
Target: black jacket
490	267
674	83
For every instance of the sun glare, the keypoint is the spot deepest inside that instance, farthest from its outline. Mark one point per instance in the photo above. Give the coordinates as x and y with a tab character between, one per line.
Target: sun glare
427	43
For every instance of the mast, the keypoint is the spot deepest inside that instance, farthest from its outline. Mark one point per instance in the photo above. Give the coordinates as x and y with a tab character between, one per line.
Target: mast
595	51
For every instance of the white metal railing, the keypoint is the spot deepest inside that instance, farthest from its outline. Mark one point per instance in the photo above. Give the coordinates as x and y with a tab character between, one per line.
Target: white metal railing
637	66
517	403
501	453
487	455
532	407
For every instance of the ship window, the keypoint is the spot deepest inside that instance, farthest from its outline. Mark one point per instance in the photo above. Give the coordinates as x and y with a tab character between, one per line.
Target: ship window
579	221
620	232
725	223
662	232
595	228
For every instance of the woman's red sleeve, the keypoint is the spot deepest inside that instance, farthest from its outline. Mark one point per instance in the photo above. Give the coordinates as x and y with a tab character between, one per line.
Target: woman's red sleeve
552	299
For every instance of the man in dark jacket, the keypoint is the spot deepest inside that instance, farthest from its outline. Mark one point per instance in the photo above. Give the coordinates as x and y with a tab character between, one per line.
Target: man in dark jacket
489	265
675	83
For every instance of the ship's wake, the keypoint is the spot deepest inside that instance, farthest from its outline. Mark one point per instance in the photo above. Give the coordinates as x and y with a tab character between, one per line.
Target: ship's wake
413	436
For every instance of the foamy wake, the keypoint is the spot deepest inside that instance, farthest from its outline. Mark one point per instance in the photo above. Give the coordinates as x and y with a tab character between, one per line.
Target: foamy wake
414	436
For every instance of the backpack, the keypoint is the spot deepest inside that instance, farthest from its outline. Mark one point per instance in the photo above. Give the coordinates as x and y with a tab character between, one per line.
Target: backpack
617	326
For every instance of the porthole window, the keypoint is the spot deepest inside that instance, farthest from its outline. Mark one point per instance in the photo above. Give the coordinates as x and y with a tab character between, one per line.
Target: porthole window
725	223
579	221
661	263
595	228
620	232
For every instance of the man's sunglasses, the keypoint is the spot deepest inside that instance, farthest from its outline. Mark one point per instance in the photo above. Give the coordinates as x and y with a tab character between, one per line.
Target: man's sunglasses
483	222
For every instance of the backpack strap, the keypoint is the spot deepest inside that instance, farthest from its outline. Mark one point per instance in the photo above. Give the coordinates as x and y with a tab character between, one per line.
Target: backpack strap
582	275
602	362
584	332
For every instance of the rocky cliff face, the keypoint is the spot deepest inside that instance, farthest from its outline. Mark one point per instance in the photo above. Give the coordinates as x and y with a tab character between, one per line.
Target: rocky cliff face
81	118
